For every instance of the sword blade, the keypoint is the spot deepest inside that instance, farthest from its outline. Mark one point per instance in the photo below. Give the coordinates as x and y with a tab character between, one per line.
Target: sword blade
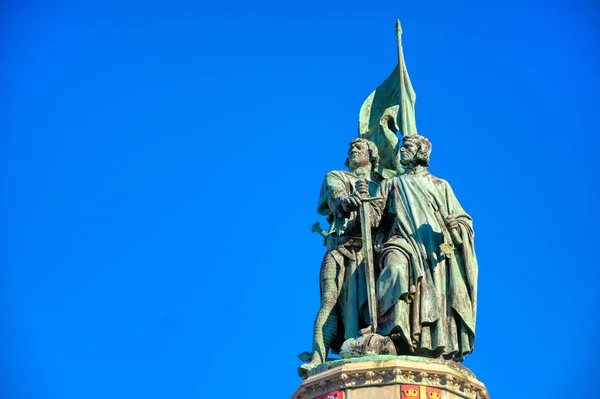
367	249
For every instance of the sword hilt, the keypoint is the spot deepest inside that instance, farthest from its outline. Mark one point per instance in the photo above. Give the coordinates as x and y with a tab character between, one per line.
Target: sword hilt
370	199
437	209
316	228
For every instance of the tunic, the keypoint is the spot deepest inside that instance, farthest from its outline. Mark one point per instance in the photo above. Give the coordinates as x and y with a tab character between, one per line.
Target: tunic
344	251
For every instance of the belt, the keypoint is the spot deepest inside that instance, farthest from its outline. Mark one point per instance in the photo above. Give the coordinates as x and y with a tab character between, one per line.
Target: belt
355	242
349	246
346	241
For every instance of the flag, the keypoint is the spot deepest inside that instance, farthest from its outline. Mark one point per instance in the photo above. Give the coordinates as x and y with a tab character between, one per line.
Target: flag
389	109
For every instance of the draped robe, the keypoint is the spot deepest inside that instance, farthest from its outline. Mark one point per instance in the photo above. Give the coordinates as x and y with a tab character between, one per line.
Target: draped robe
427	304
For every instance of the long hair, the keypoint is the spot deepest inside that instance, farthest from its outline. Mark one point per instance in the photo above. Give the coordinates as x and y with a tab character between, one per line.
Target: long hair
373	153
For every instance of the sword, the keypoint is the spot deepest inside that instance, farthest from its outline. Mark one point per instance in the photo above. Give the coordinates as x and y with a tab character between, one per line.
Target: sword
316	228
367	247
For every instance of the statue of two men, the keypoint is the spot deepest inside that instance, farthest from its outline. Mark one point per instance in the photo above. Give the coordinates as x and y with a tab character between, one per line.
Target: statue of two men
426	269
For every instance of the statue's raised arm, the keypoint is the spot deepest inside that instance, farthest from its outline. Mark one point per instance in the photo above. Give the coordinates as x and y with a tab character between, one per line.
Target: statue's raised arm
390	110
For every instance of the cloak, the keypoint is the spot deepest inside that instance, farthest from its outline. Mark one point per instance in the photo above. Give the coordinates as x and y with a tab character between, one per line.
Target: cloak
428	304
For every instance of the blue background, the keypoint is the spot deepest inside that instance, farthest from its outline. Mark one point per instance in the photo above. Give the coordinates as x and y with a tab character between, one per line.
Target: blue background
161	164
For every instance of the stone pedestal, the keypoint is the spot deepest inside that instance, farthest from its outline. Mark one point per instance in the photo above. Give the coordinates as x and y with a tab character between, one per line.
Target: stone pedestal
391	377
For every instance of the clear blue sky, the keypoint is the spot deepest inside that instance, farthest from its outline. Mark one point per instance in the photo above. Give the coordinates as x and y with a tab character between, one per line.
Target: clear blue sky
161	163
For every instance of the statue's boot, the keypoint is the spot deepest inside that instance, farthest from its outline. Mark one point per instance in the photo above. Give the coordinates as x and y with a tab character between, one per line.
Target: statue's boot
314	362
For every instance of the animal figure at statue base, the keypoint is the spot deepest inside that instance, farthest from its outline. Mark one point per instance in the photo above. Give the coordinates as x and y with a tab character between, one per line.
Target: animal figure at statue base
368	345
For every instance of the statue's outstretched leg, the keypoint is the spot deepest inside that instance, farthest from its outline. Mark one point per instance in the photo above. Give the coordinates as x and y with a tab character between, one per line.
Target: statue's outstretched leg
325	331
326	322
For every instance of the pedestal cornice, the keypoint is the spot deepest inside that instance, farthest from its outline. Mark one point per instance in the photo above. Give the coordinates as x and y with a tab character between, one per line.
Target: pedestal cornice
447	376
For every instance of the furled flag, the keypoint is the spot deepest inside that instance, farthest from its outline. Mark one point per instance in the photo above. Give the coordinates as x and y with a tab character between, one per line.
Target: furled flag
388	110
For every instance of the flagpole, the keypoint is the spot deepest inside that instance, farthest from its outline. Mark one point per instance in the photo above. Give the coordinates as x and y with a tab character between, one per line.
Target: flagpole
401	67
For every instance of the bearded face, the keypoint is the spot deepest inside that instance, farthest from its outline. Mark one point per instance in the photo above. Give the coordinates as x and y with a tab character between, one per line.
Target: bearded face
358	155
409	152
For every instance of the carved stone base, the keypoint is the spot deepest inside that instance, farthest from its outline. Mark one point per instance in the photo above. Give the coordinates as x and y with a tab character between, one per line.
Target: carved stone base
391	377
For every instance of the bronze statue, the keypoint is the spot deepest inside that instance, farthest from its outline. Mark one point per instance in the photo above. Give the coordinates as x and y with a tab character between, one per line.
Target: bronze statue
427	286
398	281
343	311
416	292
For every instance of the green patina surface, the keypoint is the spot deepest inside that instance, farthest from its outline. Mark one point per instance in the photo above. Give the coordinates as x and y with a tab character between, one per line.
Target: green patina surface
420	302
388	110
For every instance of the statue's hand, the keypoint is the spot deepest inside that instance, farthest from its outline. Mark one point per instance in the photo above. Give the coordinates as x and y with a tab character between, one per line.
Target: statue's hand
351	202
451	222
362	186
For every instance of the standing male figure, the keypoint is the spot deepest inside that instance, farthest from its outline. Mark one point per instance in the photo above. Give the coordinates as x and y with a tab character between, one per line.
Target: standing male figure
343	311
427	287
